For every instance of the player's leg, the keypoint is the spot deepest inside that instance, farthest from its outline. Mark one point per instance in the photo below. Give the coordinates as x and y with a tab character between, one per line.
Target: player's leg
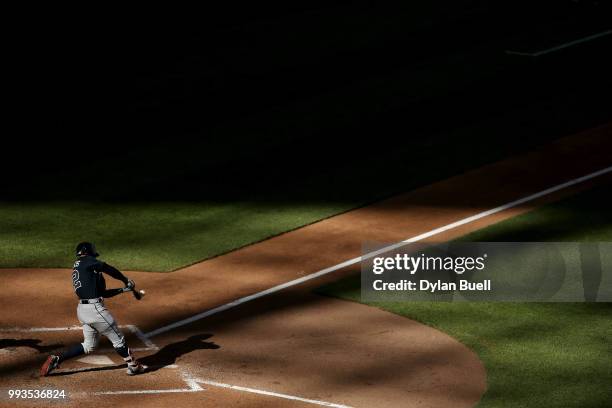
90	342
108	328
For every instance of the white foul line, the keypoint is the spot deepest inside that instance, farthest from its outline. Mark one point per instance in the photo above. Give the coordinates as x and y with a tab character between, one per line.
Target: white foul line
272	394
562	46
369	255
147	342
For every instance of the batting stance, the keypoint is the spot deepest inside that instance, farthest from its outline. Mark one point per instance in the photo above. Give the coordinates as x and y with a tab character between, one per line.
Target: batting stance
90	287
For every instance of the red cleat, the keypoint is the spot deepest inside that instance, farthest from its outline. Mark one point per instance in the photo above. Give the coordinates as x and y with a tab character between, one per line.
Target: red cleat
50	364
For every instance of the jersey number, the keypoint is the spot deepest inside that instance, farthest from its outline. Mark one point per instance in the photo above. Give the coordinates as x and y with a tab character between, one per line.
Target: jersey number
75	277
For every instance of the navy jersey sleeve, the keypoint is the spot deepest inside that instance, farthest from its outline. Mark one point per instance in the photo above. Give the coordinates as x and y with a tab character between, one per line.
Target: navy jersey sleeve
113	272
112	292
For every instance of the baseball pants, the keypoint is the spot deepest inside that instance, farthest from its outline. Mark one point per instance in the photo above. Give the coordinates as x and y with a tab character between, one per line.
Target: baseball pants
97	320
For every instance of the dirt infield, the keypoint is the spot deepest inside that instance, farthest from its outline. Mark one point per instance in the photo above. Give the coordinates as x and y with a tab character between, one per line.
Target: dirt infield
291	348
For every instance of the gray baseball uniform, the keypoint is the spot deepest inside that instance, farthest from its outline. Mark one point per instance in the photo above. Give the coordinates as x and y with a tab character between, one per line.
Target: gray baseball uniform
90	287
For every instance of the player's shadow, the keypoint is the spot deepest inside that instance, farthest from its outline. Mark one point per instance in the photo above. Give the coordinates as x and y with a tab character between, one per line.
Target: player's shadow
168	354
31	343
86	370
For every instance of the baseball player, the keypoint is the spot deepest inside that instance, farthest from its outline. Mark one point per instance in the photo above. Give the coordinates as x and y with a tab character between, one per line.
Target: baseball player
90	287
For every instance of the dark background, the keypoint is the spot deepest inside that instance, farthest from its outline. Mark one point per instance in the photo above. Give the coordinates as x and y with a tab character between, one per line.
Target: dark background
232	102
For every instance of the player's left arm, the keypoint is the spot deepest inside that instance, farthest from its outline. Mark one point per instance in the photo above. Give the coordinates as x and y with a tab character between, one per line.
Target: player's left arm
116	274
129	284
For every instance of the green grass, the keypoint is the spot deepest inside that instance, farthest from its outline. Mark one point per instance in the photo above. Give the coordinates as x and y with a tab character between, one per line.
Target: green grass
536	354
141	236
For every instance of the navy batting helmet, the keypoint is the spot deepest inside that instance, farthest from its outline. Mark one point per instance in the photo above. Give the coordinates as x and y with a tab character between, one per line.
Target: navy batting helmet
86	248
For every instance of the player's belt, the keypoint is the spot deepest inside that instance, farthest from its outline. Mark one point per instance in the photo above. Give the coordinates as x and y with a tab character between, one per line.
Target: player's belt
90	301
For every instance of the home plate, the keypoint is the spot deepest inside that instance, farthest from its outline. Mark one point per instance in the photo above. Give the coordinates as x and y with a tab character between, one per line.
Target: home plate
96	360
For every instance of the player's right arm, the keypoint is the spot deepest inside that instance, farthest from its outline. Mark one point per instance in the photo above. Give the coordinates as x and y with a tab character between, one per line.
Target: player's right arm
108	293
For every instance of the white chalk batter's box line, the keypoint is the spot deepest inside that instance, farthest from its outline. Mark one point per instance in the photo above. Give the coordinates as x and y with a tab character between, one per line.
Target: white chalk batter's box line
193	384
149	345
